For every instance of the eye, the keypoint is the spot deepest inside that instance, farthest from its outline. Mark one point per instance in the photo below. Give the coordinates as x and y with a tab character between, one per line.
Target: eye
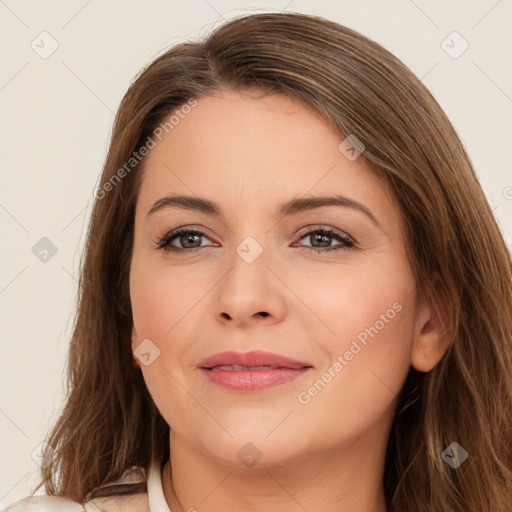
324	236
188	239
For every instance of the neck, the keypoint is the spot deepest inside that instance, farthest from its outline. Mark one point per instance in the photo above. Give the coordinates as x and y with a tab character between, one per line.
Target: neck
349	478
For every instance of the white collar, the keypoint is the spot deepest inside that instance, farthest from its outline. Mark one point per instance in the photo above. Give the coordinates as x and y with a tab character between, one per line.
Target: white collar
157	502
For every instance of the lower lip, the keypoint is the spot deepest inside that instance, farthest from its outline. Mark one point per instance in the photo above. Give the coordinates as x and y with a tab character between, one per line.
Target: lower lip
253	380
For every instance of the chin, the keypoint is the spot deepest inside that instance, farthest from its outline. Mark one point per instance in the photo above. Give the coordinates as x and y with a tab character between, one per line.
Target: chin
253	449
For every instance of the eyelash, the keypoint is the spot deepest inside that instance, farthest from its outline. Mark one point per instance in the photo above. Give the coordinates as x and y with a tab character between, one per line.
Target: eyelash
164	242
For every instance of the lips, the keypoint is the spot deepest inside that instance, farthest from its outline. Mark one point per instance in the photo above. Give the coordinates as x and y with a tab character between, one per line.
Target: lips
254	360
251	371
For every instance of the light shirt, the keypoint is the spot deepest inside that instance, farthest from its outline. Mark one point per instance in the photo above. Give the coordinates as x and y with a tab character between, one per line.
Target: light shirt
156	498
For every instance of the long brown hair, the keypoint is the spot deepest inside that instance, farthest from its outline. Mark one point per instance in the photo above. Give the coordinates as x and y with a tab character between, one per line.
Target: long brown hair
110	422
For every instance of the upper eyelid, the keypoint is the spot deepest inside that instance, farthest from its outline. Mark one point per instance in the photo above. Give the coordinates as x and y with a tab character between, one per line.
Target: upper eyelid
301	232
322	227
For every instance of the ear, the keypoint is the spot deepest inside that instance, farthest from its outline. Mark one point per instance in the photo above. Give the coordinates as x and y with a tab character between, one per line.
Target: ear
431	340
134	343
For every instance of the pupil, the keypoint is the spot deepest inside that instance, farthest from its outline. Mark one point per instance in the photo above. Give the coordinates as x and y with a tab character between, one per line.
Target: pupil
325	238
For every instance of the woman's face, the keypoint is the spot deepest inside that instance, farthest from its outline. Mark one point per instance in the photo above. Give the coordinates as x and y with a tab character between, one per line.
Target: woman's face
261	275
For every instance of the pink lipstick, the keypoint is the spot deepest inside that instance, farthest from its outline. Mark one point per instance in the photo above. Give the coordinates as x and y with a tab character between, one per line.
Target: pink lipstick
251	371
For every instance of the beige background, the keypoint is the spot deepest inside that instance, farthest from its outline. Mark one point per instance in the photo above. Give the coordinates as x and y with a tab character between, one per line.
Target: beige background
57	114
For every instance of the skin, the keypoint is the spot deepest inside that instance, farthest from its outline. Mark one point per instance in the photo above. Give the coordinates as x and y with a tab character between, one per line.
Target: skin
249	154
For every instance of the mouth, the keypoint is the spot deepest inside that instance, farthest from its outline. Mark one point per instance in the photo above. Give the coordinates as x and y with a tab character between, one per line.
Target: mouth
251	371
239	368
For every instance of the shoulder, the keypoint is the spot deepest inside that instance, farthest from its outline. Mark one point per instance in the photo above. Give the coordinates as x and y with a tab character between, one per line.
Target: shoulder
46	504
136	502
130	503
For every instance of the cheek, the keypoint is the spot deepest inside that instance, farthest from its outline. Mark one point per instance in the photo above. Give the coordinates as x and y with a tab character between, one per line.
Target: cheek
368	331
159	299
357	303
155	311
160	303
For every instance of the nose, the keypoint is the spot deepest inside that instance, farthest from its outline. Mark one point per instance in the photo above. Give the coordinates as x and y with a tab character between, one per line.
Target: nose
251	292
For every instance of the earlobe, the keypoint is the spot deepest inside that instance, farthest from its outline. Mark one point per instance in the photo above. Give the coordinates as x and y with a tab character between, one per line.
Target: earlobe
431	340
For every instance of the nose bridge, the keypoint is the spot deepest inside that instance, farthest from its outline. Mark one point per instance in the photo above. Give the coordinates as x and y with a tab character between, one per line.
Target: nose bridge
250	289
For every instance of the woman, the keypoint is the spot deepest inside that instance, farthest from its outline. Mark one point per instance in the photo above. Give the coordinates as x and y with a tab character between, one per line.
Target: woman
294	294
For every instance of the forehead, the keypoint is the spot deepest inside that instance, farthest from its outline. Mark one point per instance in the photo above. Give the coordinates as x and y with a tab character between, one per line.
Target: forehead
250	150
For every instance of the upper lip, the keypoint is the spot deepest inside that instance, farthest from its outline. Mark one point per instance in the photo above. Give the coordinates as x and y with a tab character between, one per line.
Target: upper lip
253	358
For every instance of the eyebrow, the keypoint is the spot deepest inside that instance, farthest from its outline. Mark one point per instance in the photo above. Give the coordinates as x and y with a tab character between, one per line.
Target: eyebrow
292	207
